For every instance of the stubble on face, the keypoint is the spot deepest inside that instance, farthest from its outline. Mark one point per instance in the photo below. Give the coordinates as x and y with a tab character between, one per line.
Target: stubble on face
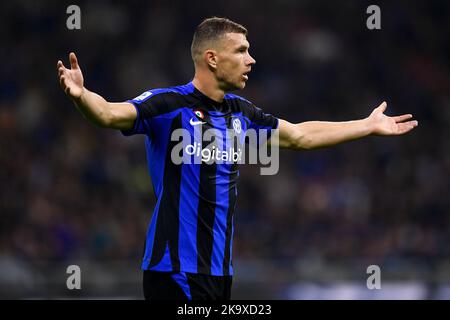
232	67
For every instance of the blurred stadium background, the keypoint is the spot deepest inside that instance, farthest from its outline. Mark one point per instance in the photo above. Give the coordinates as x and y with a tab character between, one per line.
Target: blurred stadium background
75	194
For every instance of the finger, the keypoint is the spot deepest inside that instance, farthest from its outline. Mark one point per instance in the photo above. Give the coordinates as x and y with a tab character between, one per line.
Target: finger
59	64
383	106
73	61
64	87
415	123
402	117
405	127
62	72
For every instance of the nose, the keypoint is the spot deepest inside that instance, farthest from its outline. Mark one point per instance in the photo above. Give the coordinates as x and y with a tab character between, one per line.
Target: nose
251	61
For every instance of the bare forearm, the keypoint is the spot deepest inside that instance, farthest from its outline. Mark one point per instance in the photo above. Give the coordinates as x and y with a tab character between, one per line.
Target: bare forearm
114	115
93	107
318	134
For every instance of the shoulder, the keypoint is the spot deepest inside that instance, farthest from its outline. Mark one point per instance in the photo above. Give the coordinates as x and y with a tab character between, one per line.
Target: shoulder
159	101
236	98
165	93
250	111
240	104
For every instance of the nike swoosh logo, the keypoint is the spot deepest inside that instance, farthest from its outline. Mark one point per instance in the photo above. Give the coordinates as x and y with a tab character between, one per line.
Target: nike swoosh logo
194	123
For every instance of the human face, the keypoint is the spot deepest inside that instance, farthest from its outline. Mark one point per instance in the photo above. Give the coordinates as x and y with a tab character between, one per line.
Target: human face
234	62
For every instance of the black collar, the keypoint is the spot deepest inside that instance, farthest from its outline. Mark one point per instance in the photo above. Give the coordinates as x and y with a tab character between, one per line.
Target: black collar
209	104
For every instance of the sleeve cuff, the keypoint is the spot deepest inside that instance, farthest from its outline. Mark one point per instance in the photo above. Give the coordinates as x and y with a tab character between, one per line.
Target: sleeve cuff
133	130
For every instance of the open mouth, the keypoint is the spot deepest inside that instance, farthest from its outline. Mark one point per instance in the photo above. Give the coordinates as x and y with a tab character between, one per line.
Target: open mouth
245	75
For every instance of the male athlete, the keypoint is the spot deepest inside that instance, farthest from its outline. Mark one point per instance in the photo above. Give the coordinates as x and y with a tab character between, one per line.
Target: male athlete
189	241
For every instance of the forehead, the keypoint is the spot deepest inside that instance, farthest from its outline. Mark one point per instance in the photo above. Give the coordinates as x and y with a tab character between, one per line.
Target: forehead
235	40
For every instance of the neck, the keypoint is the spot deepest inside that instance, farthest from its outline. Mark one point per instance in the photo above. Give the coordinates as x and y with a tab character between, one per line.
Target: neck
208	86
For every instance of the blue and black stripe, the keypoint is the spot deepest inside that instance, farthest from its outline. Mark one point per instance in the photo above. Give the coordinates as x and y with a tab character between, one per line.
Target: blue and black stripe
192	224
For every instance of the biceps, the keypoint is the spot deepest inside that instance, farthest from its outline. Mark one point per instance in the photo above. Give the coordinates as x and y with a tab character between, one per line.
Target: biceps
123	115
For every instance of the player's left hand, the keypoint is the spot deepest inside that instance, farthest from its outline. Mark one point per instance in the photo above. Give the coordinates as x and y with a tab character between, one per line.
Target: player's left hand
383	125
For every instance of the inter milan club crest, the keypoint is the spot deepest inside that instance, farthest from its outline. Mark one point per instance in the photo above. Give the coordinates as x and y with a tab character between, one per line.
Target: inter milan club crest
199	113
237	125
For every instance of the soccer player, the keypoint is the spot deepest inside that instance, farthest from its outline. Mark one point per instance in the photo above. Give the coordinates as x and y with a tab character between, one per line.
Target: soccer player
188	250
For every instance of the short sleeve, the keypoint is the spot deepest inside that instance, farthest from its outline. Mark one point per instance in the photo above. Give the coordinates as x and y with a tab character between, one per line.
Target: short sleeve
261	120
263	123
147	105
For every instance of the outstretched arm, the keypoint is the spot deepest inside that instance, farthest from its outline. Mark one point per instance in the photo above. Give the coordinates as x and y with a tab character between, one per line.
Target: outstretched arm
318	134
93	106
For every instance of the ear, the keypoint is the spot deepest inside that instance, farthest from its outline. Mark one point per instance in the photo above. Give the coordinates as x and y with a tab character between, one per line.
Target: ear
211	58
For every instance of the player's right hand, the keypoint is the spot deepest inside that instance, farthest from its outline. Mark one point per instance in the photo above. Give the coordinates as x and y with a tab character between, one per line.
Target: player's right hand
71	80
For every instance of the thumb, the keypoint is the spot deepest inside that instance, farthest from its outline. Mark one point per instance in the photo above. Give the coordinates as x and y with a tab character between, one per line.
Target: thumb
382	106
73	61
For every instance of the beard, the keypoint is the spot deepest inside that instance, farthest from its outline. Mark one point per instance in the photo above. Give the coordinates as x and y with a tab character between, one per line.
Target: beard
229	83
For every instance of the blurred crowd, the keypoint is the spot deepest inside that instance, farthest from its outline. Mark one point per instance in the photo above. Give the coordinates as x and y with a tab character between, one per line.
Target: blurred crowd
70	190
